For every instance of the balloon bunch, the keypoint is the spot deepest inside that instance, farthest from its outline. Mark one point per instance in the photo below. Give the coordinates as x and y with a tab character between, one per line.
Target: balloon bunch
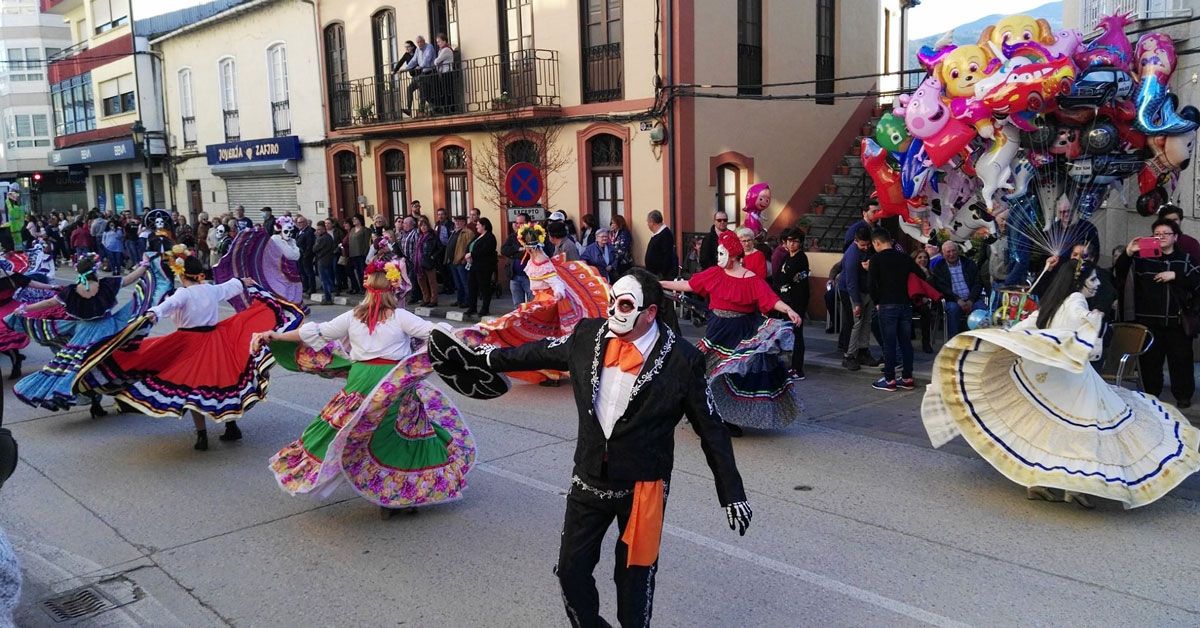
1026	117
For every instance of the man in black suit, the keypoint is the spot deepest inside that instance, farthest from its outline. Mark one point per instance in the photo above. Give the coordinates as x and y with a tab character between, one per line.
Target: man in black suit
661	258
633	379
708	249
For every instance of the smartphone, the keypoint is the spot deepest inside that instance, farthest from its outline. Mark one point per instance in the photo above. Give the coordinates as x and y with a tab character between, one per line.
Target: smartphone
1149	247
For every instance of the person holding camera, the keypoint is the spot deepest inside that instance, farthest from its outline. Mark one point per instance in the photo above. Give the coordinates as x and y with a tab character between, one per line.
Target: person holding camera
1165	280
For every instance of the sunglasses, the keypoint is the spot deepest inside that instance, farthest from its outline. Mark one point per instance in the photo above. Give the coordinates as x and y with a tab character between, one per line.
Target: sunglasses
721	220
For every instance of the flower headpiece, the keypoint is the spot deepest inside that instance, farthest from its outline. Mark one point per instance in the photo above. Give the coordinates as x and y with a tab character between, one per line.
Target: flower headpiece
532	234
390	269
178	262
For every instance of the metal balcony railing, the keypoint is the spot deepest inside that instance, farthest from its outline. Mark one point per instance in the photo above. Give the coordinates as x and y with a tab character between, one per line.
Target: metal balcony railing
189	132
68	52
281	118
1090	11
233	128
603	73
526	78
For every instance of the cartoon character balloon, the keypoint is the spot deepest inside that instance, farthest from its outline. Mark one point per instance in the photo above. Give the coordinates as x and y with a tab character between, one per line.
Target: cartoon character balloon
758	199
1156	113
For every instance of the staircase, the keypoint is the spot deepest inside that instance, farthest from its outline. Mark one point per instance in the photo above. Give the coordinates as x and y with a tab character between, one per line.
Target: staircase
845	195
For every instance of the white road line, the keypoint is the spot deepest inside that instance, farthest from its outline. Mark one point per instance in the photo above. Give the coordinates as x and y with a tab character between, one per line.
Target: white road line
765	562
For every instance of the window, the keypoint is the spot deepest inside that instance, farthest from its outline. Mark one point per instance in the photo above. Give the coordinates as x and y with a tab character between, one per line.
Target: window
443	18
749	47
109	14
397	183
227	75
729	191
281	115
602	63
516	30
26	130
607	153
454	174
25	64
521	151
74	111
337	75
383	32
187	108
825	43
117	95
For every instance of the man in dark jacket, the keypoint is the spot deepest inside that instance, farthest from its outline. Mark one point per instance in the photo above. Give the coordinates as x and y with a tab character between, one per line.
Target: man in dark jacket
957	278
661	258
518	281
888	276
325	253
1163	287
708	249
306	237
633	380
791	284
858	309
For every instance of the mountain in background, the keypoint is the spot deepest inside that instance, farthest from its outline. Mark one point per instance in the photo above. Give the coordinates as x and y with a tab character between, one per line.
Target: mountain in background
969	33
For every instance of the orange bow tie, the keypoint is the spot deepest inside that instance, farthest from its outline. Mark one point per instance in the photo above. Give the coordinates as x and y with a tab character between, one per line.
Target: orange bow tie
623	354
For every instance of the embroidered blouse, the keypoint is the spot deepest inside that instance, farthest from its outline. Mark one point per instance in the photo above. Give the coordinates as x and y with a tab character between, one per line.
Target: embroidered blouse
392	339
735	294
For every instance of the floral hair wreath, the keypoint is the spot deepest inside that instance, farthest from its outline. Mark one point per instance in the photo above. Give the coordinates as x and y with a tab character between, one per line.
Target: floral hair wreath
390	269
177	260
532	234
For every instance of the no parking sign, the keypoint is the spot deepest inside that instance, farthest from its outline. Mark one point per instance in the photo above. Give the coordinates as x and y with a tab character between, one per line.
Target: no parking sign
523	184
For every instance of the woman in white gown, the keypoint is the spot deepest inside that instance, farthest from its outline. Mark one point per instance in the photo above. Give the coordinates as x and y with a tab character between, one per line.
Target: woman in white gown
1027	400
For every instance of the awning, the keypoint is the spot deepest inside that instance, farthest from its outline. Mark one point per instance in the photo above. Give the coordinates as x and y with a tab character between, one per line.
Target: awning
256	168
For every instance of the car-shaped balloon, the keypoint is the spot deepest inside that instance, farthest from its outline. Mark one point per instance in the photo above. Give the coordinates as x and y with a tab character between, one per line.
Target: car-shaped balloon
1098	85
1032	87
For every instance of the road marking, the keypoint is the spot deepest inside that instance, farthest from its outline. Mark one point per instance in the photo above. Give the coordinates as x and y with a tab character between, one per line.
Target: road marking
816	579
765	562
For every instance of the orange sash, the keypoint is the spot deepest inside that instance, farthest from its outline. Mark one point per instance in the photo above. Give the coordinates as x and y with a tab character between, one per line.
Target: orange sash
643	532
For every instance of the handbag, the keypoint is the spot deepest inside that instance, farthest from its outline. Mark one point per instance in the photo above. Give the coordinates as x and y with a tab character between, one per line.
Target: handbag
1189	313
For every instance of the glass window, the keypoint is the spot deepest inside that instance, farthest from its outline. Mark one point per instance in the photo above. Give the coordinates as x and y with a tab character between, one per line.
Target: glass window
729	191
227	74
522	151
117	95
185	94
109	14
606	155
517	28
383	28
397	183
749	47
73	110
277	70
825	48
454	175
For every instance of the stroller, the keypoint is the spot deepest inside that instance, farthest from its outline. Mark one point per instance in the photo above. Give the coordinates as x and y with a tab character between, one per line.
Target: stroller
688	306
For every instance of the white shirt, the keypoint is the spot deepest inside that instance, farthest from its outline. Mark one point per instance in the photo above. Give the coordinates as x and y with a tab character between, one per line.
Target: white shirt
392	339
616	385
196	306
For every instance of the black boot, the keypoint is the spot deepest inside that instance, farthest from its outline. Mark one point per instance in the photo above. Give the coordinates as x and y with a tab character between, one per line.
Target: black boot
17	357
232	432
201	440
97	410
126	408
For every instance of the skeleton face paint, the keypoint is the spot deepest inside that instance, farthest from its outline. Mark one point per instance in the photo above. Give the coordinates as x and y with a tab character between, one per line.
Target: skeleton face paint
221	230
1091	285
722	257
625	306
159	223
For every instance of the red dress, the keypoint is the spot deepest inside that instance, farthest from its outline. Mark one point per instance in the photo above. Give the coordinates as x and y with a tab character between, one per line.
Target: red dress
734	294
756	262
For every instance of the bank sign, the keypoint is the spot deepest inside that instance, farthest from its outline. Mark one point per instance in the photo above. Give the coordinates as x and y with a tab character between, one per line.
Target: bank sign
93	153
250	151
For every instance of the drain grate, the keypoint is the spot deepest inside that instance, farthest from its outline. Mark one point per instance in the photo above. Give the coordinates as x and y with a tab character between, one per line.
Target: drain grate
92	599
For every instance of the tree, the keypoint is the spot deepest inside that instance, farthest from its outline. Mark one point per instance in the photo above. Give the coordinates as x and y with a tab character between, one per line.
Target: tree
536	143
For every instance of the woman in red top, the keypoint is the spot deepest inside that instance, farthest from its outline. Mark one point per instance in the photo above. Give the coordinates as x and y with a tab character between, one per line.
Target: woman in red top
751	382
753	259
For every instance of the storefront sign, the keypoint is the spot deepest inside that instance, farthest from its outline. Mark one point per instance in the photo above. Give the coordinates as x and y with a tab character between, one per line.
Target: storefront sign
249	151
93	153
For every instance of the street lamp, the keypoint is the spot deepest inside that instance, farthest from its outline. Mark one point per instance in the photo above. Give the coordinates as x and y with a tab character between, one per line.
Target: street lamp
141	137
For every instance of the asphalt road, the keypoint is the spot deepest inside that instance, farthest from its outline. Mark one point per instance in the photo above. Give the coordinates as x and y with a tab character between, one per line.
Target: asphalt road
858	522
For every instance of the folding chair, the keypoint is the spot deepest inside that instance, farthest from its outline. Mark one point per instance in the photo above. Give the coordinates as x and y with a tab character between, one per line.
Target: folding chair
1129	341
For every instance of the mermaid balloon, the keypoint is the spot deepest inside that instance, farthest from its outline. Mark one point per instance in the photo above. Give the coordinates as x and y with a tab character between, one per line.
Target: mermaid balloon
1156	113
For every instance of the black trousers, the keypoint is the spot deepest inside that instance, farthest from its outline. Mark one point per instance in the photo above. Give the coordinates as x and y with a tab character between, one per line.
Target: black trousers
479	286
1172	344
588	517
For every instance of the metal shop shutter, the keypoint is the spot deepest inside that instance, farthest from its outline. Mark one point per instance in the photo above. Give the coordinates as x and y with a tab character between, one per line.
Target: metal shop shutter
254	193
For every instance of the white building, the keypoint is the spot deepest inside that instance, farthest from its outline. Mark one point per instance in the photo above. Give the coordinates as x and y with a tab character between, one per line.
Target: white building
27	39
243	96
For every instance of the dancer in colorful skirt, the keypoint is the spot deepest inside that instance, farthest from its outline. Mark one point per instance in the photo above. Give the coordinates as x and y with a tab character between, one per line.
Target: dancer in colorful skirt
564	293
750	377
205	366
270	260
16	288
94	323
1027	400
396	439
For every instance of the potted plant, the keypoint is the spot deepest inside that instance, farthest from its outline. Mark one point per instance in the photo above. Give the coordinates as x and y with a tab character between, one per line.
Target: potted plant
501	102
366	112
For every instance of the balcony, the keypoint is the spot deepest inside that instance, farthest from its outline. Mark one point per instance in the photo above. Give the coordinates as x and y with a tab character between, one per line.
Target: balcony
603	69
525	81
60	7
1090	11
68	52
281	118
233	128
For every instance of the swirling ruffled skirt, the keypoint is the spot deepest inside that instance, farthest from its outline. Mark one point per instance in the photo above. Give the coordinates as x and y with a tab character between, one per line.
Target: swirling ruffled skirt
749	371
398	441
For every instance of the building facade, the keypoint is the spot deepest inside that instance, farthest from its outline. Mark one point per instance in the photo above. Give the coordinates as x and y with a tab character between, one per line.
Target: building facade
108	114
27	39
605	96
244	96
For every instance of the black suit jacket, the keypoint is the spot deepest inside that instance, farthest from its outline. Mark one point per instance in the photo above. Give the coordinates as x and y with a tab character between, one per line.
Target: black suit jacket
642	446
945	283
660	255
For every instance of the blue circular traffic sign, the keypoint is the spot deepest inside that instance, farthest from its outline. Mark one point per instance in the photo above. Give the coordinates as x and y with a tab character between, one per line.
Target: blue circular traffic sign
523	184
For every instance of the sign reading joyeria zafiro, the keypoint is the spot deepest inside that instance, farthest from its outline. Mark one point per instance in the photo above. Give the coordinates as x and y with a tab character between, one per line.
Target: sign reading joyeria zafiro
249	151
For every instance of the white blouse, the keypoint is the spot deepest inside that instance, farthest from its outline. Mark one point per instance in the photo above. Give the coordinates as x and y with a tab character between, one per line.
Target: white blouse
196	306
392	339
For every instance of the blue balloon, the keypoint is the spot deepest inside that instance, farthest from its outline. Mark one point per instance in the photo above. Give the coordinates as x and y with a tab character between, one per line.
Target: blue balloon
977	319
1156	113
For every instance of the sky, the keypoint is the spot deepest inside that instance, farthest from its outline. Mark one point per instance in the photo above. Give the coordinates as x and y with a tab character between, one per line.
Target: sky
150	8
934	17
